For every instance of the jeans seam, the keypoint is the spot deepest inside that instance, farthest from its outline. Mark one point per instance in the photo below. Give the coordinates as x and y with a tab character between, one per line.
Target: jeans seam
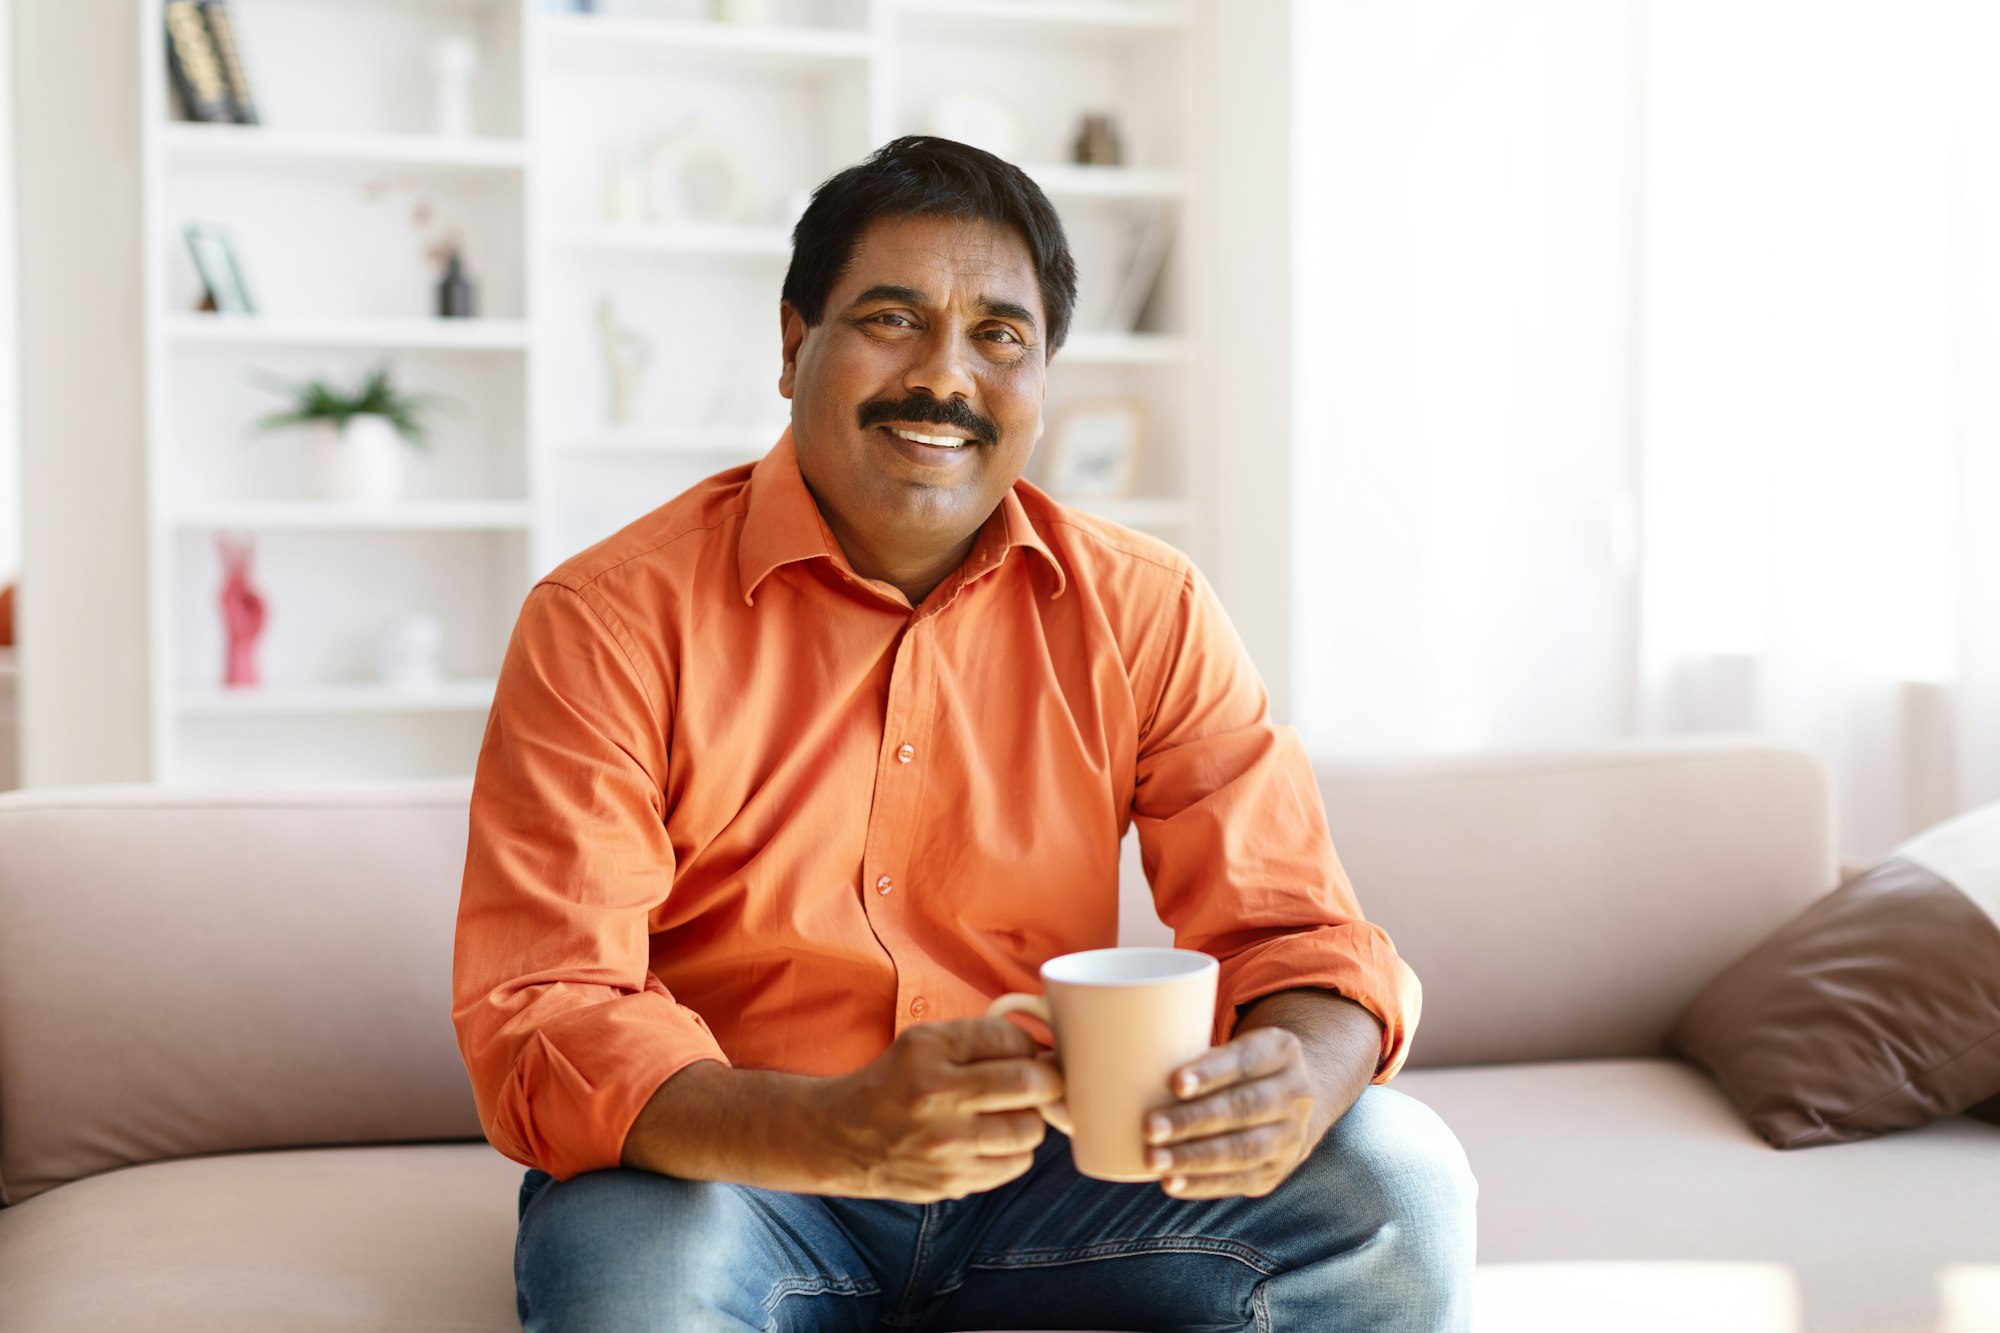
1227	1249
900	1316
815	1286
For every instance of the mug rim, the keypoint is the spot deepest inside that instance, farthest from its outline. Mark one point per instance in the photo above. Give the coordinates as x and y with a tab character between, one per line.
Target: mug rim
1190	963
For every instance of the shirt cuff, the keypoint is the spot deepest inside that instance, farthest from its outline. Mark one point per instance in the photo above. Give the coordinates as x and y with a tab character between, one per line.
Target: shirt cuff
579	1081
1354	960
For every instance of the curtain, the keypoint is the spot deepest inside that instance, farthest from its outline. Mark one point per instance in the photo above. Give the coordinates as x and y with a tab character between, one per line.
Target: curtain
1648	381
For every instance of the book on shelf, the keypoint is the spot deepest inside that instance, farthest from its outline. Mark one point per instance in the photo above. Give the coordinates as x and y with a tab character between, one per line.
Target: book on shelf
205	63
222	32
195	67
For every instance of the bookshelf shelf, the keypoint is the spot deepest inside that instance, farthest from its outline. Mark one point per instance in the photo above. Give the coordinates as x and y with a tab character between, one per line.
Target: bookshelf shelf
715	240
1122	349
360	697
779	50
697	441
194	144
1101	20
270	330
1062	180
1136	511
327	516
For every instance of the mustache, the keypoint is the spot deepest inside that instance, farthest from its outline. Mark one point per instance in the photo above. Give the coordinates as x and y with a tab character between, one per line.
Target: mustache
930	411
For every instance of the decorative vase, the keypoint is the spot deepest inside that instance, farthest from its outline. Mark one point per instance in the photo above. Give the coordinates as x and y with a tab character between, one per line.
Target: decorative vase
361	462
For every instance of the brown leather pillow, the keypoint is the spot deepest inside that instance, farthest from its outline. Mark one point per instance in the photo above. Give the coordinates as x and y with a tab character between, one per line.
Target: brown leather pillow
1877	1008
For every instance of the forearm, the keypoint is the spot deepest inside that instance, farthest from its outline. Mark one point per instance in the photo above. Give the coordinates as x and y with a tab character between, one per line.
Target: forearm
1342	1041
754	1127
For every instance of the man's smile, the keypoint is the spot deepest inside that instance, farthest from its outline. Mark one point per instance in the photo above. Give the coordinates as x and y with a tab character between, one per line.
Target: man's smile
941	441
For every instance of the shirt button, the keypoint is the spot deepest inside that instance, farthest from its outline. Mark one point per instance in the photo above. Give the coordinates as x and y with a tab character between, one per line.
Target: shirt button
919	1006
884	884
906	752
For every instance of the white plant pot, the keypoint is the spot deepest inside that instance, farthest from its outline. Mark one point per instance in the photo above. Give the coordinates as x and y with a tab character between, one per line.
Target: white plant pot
360	463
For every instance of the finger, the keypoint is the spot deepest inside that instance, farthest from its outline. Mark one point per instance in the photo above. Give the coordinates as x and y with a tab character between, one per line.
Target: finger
1228	1154
967	1040
1006	1133
1255	1184
1258	1053
985	1173
1263	1102
1008	1085
1057	1114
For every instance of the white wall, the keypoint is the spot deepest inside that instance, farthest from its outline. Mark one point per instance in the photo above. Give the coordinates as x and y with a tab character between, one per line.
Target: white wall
1465	397
82	604
10	421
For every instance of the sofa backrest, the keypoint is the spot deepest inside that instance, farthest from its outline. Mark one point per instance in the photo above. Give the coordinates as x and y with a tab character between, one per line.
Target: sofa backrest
1568	905
196	970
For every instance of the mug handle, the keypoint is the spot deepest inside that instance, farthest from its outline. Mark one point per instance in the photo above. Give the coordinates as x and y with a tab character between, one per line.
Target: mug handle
1055	1113
1016	1002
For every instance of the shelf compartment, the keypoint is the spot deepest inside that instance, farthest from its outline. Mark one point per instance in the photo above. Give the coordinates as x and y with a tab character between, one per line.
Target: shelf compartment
328	516
510	335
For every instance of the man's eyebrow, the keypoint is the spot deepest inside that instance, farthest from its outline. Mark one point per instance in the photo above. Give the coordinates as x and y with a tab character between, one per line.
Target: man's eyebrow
911	296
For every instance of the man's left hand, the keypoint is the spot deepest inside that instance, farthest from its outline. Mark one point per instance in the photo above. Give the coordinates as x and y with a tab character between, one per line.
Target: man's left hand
1244	1122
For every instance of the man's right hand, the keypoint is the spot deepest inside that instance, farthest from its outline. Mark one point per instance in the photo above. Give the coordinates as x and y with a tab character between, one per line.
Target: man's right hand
950	1109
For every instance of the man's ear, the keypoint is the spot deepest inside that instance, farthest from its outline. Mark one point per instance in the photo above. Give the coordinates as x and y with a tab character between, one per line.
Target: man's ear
791	333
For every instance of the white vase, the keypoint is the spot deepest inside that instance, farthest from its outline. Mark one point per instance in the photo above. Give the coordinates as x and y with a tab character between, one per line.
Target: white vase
361	462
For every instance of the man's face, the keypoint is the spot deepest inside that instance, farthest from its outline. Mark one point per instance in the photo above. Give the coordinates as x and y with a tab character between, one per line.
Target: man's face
935	329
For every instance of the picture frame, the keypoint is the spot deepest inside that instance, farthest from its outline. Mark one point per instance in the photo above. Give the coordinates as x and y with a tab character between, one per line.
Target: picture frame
214	253
1094	448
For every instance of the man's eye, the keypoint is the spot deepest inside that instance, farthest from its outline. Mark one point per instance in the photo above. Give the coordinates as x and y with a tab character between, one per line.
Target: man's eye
1000	335
889	315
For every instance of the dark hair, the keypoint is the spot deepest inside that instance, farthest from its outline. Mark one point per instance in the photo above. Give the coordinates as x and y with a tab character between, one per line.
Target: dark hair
922	174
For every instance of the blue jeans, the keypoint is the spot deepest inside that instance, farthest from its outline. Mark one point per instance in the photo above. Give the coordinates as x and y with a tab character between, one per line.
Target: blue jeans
1375	1231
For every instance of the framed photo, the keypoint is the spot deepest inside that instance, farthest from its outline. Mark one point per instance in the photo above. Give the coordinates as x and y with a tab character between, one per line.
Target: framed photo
215	259
1094	448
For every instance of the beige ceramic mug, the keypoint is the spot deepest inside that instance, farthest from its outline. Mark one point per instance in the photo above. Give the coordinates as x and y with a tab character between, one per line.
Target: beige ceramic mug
1124	1020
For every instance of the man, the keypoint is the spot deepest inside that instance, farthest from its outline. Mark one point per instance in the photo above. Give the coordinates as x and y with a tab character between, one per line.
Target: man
785	781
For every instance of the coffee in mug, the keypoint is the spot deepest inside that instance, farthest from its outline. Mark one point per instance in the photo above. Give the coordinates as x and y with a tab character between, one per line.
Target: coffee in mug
1124	1020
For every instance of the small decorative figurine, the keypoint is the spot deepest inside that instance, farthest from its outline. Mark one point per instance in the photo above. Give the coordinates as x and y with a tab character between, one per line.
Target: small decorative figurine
454	60
626	353
242	613
1097	142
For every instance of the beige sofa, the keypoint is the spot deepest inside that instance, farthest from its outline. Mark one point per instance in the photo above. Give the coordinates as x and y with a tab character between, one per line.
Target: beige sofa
230	1098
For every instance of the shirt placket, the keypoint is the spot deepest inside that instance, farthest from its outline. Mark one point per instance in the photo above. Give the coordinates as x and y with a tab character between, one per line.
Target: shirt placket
891	886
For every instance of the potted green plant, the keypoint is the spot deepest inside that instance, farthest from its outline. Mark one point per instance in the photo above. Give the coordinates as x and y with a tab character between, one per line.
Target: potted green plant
355	434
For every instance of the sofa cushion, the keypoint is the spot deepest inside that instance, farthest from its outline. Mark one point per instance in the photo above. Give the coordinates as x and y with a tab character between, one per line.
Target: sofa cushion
1875	1009
1628	1195
417	1237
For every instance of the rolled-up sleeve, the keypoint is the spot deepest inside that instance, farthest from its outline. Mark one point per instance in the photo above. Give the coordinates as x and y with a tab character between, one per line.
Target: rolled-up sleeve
1234	836
563	1027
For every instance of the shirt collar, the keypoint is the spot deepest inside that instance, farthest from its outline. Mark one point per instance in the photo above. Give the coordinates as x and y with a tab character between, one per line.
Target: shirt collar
783	524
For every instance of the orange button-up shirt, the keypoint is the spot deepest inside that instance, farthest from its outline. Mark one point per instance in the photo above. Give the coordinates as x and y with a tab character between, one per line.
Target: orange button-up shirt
736	802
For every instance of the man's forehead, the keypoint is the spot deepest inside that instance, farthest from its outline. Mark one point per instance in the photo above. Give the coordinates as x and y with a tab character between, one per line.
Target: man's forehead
947	259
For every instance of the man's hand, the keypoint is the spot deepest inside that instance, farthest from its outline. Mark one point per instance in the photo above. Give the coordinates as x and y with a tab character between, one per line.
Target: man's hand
950	1109
1252	1110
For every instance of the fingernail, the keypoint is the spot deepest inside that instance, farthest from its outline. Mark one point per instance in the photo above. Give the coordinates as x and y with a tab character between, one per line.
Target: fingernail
1159	1159
1176	1183
1185	1085
1157	1129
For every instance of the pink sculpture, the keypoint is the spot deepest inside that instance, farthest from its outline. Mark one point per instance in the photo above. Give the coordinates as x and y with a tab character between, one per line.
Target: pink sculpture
242	612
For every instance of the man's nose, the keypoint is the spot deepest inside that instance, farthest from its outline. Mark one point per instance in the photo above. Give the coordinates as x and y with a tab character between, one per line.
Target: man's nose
943	367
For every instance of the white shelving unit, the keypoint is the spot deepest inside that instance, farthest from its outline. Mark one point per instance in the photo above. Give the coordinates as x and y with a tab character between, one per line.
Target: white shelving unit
335	197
